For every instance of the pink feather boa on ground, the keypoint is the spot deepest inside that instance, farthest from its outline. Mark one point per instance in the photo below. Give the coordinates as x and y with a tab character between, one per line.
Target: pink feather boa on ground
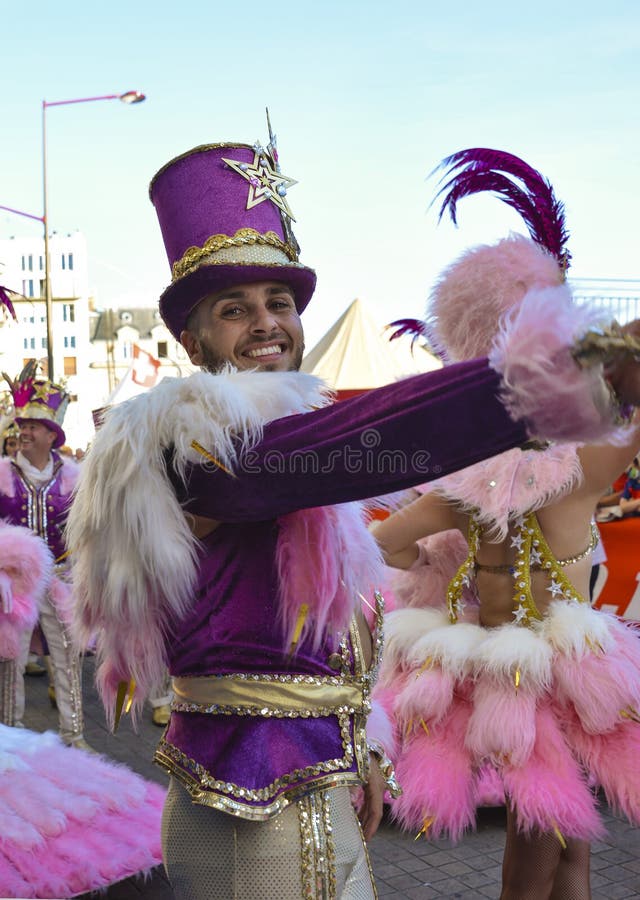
25	568
71	822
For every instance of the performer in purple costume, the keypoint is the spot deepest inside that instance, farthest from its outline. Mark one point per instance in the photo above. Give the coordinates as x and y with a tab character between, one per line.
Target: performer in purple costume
35	493
205	537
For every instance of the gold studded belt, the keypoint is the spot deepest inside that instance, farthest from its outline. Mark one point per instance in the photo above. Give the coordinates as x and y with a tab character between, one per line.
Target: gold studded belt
268	695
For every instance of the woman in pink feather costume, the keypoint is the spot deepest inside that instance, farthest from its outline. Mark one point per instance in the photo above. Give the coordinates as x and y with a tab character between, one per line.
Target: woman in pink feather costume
25	571
509	679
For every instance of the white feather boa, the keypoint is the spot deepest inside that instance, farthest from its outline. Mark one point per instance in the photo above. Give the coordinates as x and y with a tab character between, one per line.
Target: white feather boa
133	554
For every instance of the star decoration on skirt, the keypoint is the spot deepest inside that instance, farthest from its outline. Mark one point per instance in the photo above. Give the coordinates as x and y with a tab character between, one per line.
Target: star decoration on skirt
265	181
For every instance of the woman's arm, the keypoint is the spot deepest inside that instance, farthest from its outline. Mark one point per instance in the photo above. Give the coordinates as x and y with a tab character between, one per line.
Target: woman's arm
398	534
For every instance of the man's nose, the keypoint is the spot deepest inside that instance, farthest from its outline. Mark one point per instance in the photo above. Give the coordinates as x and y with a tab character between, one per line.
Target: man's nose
263	321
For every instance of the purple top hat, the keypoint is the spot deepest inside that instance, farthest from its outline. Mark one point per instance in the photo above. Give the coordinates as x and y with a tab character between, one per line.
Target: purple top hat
43	402
39	400
225	221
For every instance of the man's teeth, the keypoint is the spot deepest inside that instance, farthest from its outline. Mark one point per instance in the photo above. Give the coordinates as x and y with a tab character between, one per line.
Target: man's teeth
266	351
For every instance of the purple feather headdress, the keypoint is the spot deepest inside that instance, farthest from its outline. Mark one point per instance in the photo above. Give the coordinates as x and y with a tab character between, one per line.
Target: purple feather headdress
517	184
5	300
415	327
472	294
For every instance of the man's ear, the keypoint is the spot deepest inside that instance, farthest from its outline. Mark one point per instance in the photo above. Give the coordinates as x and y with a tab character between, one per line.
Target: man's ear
191	344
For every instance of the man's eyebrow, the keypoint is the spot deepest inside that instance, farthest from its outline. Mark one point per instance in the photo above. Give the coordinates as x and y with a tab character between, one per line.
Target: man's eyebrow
230	295
239	293
282	289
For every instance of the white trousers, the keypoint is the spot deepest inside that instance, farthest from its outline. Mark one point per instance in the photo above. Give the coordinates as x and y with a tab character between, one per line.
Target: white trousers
65	668
313	849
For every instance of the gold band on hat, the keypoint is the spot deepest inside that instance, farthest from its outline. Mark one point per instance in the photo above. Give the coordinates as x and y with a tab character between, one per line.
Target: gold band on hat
246	247
36	411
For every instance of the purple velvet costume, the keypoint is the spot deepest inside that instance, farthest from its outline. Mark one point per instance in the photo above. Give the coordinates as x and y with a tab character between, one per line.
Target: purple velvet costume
253	764
42	510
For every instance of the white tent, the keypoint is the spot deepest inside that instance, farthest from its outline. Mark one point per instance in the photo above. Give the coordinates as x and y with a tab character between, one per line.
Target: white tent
356	354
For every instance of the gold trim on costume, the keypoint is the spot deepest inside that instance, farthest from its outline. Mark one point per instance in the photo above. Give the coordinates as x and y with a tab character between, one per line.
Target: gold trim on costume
263	695
195	256
567	561
36	411
228	797
532	554
306	849
207	455
329	845
462	578
286	696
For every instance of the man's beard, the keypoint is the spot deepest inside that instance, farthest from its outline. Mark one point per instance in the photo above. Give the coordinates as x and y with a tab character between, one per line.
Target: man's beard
214	363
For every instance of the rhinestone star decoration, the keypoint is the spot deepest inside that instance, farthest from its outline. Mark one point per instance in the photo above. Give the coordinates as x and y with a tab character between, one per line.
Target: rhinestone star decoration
520	614
555	588
535	557
265	181
460	606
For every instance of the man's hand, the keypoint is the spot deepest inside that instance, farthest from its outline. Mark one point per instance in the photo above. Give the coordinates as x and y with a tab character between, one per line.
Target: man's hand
371	810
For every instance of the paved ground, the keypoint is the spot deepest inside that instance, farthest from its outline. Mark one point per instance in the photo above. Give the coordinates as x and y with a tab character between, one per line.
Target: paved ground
404	868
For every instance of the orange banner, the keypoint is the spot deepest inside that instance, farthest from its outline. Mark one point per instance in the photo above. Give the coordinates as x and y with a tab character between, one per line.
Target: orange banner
620	592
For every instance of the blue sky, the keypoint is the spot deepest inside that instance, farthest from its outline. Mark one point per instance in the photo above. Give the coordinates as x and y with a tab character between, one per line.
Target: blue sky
365	97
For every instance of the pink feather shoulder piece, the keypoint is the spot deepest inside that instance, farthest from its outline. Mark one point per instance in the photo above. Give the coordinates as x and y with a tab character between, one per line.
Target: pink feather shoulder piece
513	483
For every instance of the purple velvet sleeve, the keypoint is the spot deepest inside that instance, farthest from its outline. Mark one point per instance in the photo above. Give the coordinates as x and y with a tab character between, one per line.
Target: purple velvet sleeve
387	440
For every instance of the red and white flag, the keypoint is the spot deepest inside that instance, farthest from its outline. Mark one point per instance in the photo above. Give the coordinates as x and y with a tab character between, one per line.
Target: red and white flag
144	368
142	374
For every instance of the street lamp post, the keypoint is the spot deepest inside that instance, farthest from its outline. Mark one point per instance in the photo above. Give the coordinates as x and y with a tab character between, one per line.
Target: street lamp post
129	97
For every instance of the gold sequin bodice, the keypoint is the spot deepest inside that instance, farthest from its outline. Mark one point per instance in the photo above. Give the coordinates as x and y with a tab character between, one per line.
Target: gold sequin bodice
532	552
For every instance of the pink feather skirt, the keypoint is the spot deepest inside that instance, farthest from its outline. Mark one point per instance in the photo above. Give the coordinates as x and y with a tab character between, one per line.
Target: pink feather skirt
71	822
541	718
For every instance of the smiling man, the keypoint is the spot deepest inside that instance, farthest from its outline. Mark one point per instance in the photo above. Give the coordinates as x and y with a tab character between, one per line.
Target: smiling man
201	544
252	326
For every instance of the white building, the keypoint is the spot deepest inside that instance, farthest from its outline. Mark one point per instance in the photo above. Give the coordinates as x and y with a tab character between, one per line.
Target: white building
22	270
113	334
92	350
22	261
